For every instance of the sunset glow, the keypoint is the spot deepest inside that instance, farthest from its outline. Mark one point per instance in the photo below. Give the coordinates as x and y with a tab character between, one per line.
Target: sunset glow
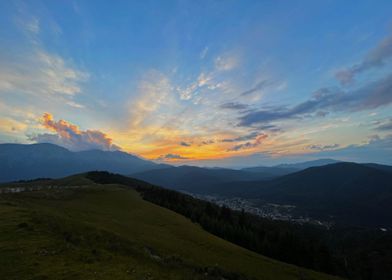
177	85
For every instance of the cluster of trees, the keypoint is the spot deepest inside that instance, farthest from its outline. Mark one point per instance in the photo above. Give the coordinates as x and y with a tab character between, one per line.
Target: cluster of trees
352	253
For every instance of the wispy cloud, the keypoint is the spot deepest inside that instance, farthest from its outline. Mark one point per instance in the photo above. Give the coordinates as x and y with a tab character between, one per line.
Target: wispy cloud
70	136
33	25
155	92
204	53
75	104
234	106
40	73
376	58
34	72
192	90
259	86
242	138
226	62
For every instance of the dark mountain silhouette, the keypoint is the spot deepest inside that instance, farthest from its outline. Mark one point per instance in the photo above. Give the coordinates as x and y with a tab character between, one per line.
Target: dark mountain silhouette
386	168
351	193
287	168
19	162
273	171
307	164
209	180
191	178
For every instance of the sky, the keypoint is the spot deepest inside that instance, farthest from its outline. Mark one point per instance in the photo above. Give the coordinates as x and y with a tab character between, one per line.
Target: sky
209	83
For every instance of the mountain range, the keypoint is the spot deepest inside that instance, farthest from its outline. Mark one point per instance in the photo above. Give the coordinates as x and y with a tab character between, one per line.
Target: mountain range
347	193
24	162
108	220
197	179
21	162
342	192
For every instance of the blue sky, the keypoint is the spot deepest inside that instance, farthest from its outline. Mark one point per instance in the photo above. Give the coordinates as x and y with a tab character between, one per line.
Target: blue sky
229	83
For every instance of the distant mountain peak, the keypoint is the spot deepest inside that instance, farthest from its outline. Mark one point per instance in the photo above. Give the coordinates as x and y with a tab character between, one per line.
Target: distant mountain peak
306	164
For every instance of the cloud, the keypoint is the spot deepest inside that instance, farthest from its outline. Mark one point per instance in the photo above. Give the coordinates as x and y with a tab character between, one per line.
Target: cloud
33	25
33	75
226	62
259	139
377	149
207	142
154	95
75	105
234	106
71	137
9	125
204	53
250	136
323	147
28	23
40	74
374	59
371	96
185	144
259	86
384	125
171	157
204	80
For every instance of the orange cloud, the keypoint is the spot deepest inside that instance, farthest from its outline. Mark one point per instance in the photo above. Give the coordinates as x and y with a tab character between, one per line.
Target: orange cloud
63	128
70	136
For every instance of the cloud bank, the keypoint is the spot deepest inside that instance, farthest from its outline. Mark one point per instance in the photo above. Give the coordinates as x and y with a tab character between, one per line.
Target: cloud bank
374	95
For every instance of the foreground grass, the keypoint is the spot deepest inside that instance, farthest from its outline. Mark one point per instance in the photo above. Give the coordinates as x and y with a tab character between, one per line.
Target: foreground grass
109	232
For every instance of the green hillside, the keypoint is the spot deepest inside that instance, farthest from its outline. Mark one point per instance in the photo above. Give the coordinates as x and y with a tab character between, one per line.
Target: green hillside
109	232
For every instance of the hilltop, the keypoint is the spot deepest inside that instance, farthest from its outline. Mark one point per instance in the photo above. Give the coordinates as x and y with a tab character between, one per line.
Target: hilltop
76	229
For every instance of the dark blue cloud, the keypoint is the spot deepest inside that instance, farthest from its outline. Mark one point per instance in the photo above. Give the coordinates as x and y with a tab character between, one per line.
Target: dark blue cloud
171	156
207	142
234	106
258	139
385	126
371	96
185	144
323	147
250	136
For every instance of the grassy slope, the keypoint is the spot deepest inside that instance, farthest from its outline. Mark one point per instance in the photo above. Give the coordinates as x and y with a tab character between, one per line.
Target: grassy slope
108	232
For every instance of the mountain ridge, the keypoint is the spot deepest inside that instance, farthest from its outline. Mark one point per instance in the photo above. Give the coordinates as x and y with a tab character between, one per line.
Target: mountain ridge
29	161
355	193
